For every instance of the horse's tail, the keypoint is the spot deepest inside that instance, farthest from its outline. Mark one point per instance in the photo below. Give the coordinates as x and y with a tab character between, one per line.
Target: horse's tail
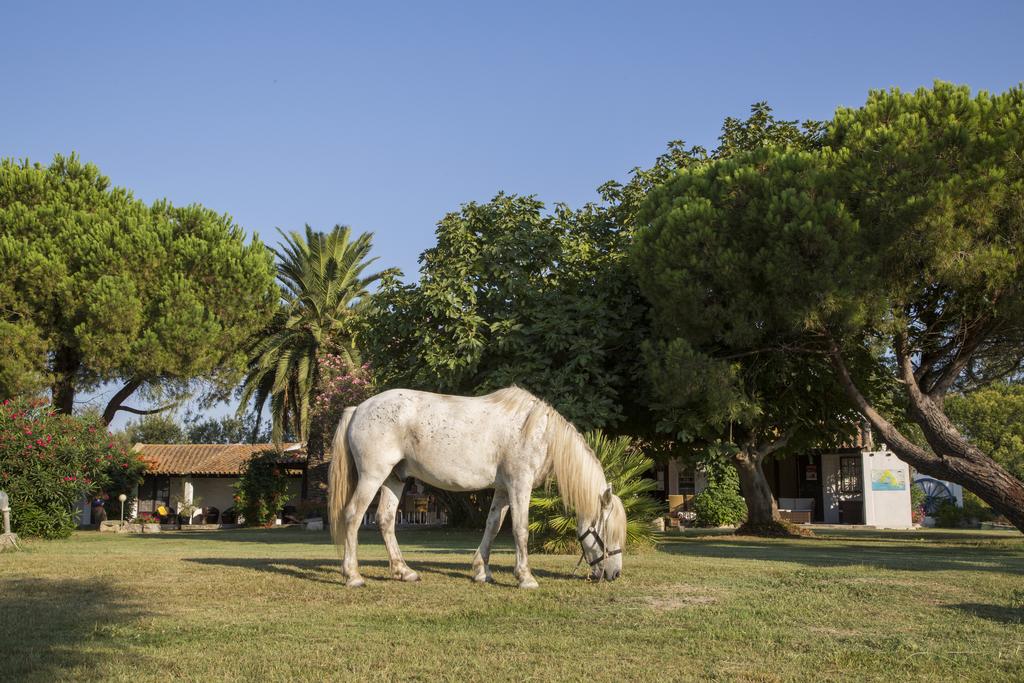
342	478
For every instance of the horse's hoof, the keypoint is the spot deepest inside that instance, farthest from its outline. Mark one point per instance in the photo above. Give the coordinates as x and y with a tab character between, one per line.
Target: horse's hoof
410	576
483	578
529	584
355	582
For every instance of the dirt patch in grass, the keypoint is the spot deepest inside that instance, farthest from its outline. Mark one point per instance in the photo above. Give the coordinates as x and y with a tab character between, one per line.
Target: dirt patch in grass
832	632
678	597
886	581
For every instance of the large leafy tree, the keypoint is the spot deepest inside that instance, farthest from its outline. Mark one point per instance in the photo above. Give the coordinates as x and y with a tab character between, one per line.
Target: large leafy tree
720	369
935	181
719	379
902	263
511	294
323	285
160	428
97	287
245	428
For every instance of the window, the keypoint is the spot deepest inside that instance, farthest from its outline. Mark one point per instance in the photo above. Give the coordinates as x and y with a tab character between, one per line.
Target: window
153	492
849	475
686	483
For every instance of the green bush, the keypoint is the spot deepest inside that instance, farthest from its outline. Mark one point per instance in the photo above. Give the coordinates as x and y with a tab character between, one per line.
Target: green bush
949	515
262	489
553	529
720	504
976	509
49	463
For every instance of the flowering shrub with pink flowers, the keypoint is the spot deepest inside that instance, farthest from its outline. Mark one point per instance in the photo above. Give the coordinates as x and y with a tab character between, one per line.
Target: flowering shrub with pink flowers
340	385
50	462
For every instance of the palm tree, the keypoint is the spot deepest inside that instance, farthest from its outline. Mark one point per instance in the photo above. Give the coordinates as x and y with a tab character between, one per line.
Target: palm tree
323	286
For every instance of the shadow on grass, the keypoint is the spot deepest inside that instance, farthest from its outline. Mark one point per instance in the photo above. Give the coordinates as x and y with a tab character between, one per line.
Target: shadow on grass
938	553
998	613
45	625
436	538
321	571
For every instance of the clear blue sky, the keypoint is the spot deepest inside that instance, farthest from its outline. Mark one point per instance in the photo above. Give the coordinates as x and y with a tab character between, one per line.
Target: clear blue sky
386	116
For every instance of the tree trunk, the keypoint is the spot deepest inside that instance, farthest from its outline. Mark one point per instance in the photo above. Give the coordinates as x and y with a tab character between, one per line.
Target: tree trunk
962	462
318	463
982	476
65	366
951	457
116	402
762	510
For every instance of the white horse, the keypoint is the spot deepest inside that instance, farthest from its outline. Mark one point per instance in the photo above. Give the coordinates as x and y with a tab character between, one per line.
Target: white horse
509	440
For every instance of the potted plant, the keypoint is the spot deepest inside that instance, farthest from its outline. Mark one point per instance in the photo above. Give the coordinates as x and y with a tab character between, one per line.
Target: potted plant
188	509
148	523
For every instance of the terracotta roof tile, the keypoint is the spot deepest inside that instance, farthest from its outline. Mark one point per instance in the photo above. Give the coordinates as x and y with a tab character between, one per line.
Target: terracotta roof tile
210	458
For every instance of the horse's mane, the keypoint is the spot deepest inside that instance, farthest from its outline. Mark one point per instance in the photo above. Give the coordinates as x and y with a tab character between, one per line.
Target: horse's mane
577	471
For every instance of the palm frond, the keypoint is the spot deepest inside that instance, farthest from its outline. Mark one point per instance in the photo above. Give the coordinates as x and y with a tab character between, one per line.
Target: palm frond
322	284
553	529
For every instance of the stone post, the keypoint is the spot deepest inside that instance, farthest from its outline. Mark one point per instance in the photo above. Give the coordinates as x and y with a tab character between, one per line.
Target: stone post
7	539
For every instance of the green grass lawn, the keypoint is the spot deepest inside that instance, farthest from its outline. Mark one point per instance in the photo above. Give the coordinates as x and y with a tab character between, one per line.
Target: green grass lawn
270	605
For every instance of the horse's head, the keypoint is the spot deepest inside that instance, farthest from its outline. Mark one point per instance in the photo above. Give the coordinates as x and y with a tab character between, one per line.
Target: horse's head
604	538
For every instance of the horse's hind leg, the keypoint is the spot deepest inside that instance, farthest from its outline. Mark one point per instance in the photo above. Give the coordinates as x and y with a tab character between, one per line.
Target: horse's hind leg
390	494
481	561
354	512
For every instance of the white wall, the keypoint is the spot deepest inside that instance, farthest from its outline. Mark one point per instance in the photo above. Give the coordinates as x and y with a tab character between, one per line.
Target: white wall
886	509
219	492
215	492
700	481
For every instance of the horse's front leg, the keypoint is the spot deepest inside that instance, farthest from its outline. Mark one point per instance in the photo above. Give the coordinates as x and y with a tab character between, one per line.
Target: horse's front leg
520	500
390	495
481	561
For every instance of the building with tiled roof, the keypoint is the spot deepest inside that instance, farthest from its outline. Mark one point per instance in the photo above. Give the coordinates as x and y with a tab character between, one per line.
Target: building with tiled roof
205	475
211	459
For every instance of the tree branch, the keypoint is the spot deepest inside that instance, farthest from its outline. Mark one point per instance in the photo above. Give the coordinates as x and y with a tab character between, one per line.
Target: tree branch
138	411
117	400
886	429
972	341
769	448
770	349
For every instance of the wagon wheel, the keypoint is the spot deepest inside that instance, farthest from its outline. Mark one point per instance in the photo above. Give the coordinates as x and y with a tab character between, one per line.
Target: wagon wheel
935	493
